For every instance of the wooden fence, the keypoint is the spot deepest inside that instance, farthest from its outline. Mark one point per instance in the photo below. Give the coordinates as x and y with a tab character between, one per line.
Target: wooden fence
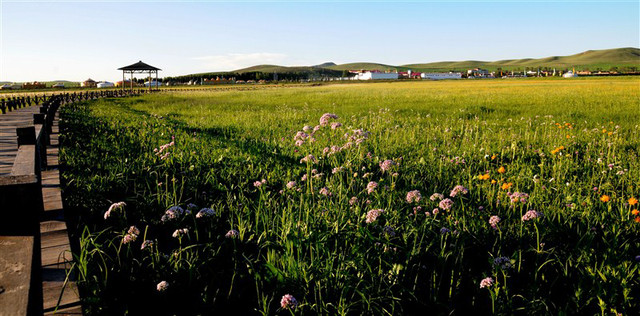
21	200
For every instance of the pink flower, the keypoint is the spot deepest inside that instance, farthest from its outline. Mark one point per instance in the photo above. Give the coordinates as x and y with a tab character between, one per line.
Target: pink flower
372	215
118	206
309	159
288	302
162	286
232	234
324	120
291	184
180	232
146	243
325	191
335	125
258	184
458	189
446	204
353	200
413	196
436	196
371	187
386	165
205	212
493	221
531	214
486	282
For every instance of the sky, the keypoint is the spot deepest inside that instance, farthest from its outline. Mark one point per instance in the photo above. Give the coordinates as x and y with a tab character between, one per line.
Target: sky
75	40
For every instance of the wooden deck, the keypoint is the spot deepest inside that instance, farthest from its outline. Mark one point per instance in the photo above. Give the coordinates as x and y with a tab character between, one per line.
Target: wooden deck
8	141
59	291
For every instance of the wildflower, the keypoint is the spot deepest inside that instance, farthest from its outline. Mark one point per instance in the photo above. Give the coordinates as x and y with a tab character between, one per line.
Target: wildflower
518	197
180	232
389	231
325	118
505	186
446	204
435	211
386	165
309	159
337	169
444	230
413	196
132	235
503	262
307	128
458	189
172	213
493	221
288	302
605	198
634	212
633	201
531	214
162	286
258	184
483	177
325	191
118	206
372	215
146	244
205	212
502	170
371	187
486	282
232	234
335	125
436	196
291	184
353	200
637	219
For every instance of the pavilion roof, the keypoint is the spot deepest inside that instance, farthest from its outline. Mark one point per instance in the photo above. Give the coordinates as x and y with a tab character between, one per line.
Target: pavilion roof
139	66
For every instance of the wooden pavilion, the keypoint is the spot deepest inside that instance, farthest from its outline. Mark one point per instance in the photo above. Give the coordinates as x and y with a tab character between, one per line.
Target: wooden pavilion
139	67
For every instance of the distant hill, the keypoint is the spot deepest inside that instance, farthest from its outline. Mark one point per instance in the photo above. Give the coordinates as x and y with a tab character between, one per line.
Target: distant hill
591	59
605	59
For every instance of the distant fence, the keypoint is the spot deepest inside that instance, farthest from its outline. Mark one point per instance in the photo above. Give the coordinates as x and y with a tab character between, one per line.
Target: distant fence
21	201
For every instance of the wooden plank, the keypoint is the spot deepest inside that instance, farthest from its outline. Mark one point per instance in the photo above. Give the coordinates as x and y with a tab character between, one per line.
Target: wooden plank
16	257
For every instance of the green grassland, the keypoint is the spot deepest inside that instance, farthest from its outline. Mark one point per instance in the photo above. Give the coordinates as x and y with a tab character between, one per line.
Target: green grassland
539	154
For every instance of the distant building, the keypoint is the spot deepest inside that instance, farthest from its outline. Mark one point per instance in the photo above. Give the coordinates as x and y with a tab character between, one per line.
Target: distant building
370	75
6	87
127	83
478	72
34	85
89	83
105	84
570	74
441	75
58	85
153	83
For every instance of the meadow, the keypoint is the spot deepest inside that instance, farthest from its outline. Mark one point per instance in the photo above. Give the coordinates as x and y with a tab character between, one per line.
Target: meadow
394	198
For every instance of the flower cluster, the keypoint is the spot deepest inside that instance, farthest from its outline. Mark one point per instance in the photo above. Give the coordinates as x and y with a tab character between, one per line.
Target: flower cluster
288	302
436	197
446	204
205	212
118	206
493	221
414	196
162	286
503	262
516	197
372	215
309	159
326	118
371	187
531	214
180	232
386	165
457	190
161	150
131	236
172	213
486	282
258	184
232	234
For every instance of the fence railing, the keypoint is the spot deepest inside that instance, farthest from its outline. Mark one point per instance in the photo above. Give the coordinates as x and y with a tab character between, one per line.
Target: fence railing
21	201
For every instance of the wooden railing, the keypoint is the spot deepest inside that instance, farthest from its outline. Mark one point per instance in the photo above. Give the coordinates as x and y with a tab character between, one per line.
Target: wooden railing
21	202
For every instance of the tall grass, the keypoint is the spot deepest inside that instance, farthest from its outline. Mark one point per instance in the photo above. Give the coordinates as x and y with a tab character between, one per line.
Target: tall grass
565	143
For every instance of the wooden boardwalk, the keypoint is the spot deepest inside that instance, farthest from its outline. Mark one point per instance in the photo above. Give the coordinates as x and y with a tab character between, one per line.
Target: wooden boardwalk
59	291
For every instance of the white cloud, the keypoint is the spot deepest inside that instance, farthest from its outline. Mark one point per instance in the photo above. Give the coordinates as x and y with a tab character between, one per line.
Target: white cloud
236	61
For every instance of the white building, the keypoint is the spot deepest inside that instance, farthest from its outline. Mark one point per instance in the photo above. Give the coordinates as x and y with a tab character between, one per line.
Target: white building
376	76
570	74
441	75
105	84
153	83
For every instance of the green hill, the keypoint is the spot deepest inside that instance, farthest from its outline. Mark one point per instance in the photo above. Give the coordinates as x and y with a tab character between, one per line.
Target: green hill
623	58
591	59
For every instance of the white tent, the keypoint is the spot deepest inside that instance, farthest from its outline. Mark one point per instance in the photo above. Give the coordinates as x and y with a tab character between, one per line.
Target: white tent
105	84
153	83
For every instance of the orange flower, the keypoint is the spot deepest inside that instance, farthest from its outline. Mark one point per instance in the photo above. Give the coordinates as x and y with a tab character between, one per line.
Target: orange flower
633	201
637	219
635	212
502	170
493	181
568	136
605	198
610	133
483	177
506	186
493	157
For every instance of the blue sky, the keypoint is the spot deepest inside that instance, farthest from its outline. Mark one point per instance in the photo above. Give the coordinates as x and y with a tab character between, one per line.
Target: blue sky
75	40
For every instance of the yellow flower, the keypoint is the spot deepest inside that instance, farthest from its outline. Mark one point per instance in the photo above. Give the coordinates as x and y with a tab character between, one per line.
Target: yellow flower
493	157
506	186
483	177
605	198
568	136
493	181
610	133
633	201
502	170
635	212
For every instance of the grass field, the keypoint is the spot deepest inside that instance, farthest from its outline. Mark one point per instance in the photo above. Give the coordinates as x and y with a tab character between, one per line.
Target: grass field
449	197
